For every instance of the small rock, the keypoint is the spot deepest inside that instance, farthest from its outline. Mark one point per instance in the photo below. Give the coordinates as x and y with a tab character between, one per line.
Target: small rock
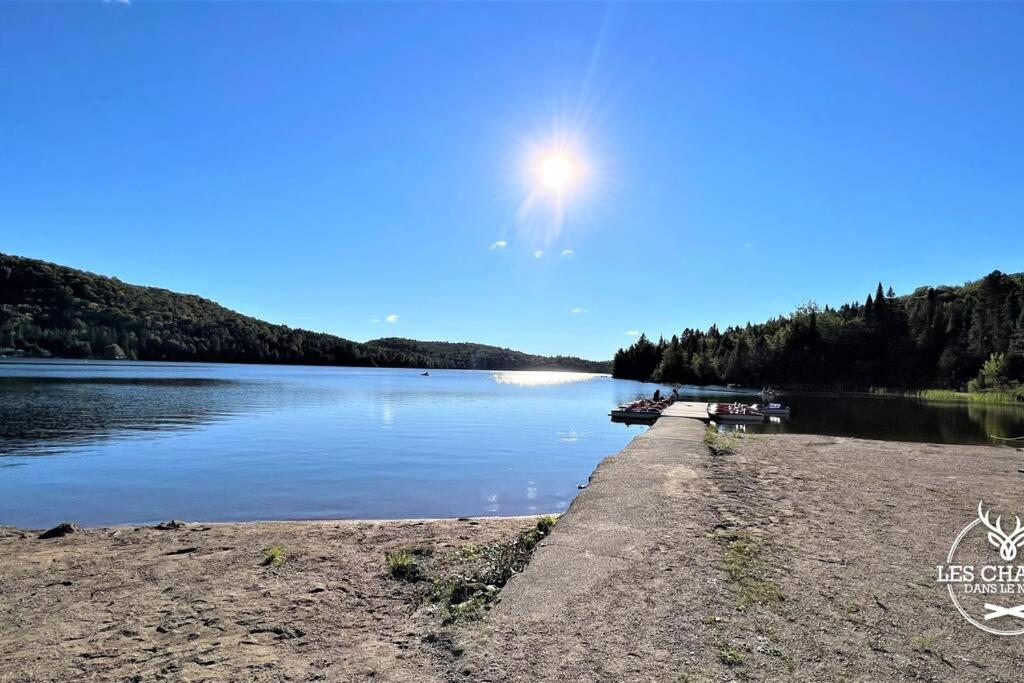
285	633
465	591
62	529
171	524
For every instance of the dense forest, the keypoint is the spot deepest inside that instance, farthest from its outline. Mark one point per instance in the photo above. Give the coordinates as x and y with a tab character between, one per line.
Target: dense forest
480	357
51	310
937	337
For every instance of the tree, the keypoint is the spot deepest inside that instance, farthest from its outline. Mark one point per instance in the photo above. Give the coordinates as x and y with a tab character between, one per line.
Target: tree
993	374
879	305
50	309
935	337
114	352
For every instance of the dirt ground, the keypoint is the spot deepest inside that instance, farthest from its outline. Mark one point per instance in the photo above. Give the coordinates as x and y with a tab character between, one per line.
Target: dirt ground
781	557
199	604
772	557
847	535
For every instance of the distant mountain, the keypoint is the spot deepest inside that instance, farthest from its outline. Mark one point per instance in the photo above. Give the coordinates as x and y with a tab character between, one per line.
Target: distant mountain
47	309
482	357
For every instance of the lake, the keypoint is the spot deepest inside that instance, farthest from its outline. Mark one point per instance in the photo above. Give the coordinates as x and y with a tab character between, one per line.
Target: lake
132	442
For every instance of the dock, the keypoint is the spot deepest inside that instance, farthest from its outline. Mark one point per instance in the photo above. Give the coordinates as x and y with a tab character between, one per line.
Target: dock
693	411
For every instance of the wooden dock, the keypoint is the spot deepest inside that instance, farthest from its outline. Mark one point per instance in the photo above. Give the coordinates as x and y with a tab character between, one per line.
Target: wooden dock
693	411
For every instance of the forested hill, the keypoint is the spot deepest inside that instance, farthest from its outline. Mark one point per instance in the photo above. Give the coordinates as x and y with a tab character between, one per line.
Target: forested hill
47	309
936	337
466	355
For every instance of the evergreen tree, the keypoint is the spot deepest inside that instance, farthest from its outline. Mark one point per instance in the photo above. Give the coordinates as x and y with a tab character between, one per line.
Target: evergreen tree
935	337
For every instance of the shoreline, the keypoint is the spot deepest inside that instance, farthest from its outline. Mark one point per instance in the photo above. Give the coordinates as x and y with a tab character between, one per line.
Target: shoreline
687	557
993	397
282	522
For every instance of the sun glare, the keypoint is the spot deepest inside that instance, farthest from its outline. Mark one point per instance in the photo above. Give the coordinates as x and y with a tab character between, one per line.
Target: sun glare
537	378
554	181
556	172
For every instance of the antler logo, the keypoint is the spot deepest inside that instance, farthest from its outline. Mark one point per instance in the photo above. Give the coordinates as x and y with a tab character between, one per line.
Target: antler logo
984	591
1006	542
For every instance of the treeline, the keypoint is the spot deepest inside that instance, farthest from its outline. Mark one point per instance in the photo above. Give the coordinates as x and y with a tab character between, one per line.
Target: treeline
467	356
47	309
937	337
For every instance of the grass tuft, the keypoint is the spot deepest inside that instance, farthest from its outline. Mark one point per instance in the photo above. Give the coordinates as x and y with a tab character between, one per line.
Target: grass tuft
923	642
403	566
464	597
746	572
719	443
274	556
546	523
731	657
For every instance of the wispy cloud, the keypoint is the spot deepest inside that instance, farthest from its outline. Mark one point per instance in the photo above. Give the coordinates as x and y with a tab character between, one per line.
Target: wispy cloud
567	252
538	254
392	318
578	310
747	245
500	244
632	333
375	320
117	2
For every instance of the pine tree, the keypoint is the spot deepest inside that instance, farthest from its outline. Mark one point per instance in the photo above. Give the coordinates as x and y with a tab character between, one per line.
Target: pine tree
879	303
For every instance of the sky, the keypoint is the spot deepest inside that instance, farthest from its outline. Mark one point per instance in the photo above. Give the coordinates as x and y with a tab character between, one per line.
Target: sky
377	170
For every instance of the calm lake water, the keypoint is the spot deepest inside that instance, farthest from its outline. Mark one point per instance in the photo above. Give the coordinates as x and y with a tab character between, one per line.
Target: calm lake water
107	442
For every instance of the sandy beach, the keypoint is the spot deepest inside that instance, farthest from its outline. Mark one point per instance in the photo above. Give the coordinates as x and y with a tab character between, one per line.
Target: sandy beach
200	602
756	558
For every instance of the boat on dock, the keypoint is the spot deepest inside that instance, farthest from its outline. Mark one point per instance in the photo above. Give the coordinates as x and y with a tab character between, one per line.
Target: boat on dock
639	415
641	411
735	413
771	409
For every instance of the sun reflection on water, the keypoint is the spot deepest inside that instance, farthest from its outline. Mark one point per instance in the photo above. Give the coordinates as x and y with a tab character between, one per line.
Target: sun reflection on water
536	378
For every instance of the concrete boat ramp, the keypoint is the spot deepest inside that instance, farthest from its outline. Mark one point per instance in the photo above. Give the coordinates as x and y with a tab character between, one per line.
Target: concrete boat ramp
610	585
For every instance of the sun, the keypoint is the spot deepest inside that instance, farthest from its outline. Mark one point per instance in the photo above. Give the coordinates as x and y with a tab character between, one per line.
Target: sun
557	172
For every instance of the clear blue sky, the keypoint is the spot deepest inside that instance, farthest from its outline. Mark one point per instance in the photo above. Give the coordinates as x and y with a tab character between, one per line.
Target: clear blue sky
328	165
